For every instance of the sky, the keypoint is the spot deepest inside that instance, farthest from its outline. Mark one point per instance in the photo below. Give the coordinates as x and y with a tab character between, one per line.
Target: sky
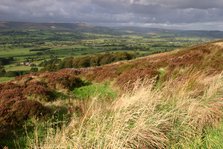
171	14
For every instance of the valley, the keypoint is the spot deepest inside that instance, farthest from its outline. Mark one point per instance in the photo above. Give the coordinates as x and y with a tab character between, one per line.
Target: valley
28	45
81	86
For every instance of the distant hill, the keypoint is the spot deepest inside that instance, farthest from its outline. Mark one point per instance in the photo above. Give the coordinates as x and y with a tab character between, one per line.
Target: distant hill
180	33
84	27
74	27
43	26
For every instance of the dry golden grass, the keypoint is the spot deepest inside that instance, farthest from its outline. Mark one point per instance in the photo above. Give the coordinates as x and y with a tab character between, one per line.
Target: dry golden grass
167	117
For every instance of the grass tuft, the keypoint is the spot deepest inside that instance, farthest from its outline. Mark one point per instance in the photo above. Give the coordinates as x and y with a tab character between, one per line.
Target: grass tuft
145	117
101	90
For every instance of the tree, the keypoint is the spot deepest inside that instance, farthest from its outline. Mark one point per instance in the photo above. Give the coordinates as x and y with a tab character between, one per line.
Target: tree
2	71
34	69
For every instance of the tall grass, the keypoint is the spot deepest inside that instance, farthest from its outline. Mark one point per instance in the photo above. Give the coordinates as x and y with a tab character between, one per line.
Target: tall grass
173	116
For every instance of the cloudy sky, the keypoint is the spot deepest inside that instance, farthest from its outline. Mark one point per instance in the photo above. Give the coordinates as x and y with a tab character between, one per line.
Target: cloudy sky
181	14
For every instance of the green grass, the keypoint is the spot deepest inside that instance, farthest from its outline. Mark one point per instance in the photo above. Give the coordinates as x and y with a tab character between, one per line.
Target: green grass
65	44
18	52
146	118
17	68
212	139
5	79
100	90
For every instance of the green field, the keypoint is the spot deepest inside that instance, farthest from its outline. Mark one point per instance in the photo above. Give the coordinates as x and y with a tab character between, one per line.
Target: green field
170	100
5	79
35	46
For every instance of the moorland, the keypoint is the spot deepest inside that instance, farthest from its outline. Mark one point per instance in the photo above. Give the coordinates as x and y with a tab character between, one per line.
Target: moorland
81	86
24	47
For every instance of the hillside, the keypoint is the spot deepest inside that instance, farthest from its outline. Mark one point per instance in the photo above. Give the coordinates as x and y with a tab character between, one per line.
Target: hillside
72	27
205	57
169	32
167	100
125	30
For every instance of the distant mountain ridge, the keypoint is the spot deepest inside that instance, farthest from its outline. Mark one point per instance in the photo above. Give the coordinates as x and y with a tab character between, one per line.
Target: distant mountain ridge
84	27
31	25
72	27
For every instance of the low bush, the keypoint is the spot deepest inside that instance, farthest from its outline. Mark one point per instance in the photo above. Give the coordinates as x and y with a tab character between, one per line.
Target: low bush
15	73
39	91
14	112
60	80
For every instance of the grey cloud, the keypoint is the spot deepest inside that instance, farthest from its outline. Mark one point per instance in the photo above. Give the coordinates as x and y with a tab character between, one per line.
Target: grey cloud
117	12
198	4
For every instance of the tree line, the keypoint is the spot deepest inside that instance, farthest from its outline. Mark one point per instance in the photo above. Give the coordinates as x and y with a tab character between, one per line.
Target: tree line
86	61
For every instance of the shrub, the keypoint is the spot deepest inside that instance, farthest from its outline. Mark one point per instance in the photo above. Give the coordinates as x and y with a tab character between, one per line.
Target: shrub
34	69
15	73
2	71
10	91
60	80
13	114
39	91
11	74
5	61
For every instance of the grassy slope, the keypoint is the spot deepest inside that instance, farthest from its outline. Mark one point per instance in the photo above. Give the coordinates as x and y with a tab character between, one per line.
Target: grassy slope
179	117
181	108
206	57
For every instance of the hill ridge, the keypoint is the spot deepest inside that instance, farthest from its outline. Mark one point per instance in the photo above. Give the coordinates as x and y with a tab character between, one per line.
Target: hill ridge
195	56
190	74
206	57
